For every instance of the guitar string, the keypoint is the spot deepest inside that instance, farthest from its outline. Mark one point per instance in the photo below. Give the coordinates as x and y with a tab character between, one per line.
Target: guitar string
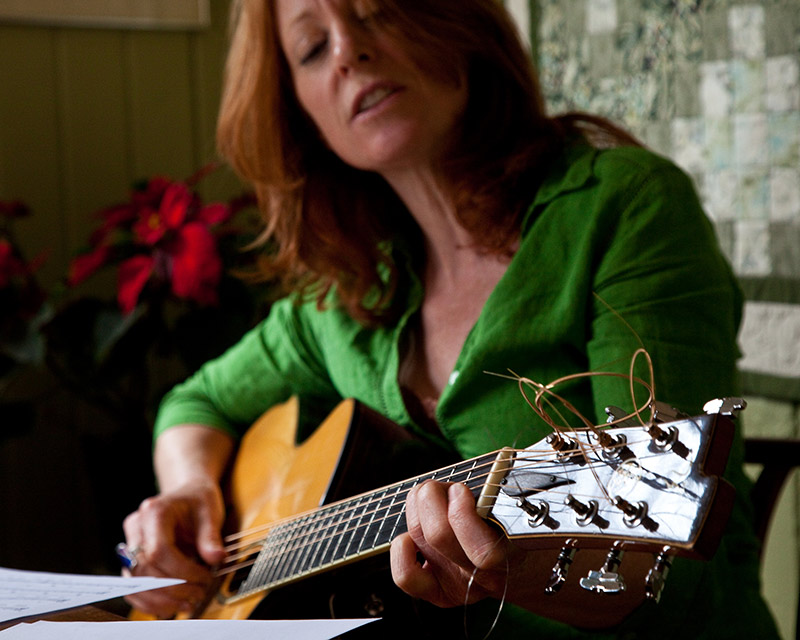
357	504
380	494
548	455
303	541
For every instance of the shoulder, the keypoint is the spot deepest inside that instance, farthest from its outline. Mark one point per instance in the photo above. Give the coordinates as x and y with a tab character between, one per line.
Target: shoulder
637	168
589	183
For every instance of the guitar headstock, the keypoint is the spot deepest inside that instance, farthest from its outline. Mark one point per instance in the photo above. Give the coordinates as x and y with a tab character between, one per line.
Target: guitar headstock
624	487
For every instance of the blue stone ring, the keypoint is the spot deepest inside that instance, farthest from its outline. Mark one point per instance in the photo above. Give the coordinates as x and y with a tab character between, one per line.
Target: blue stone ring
127	555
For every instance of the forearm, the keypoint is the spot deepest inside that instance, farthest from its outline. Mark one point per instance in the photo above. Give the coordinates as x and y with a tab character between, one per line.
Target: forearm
191	453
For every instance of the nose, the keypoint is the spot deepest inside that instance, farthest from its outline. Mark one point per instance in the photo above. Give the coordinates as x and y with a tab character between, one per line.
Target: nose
351	47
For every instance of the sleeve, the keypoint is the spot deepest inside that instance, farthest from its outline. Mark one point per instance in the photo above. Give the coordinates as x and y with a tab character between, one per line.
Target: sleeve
663	284
278	358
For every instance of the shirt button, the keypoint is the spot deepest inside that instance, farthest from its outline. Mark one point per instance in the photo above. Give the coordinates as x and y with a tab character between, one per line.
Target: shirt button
453	377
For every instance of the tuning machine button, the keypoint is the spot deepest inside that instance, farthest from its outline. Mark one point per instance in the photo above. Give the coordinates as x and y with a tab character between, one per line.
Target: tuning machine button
725	406
607	579
619	417
657	576
561	568
662	412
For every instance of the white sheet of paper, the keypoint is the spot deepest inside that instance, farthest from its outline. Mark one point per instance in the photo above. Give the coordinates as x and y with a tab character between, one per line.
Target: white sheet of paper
185	630
30	593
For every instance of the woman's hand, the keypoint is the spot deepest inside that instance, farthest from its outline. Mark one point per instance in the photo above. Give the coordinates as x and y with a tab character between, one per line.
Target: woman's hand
451	556
176	535
463	558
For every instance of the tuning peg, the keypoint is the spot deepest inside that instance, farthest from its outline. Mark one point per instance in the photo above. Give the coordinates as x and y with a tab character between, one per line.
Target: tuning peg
666	440
614	447
657	576
539	512
725	406
606	580
561	568
566	448
584	513
618	416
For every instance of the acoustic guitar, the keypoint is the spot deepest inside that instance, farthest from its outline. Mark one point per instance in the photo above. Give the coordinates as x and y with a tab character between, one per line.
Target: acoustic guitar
301	511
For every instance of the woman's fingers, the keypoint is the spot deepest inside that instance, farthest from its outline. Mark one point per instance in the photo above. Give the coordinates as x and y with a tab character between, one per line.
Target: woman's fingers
482	546
464	559
176	535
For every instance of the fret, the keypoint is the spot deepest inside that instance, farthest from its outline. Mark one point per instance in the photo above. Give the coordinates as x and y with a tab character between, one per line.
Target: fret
265	561
385	518
340	533
356	530
373	525
391	525
279	554
347	529
297	548
314	541
328	534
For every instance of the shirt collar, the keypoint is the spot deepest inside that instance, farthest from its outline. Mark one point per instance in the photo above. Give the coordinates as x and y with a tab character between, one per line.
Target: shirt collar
571	171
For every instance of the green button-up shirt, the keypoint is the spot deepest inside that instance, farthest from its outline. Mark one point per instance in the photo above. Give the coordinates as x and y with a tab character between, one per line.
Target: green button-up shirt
615	253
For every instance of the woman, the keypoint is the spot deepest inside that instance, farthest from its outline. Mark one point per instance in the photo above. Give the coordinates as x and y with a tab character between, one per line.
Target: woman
433	224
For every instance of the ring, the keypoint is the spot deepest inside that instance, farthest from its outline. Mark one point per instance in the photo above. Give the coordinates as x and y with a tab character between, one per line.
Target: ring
127	555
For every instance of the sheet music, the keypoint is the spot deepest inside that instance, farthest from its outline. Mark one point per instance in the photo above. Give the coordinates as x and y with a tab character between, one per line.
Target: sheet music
28	593
185	630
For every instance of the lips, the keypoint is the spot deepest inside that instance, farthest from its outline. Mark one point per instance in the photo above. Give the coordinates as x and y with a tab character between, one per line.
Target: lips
371	96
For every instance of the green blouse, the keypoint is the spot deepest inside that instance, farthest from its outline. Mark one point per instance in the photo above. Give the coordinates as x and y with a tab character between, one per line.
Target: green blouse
615	253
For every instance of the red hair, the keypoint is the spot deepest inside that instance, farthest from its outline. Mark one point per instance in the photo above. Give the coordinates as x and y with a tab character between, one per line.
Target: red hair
327	222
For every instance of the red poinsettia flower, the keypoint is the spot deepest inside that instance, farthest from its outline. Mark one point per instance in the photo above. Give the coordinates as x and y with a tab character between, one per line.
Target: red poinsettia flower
86	264
163	236
133	276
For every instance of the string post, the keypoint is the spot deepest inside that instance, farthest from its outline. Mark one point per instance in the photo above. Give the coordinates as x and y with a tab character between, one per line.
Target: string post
664	440
566	448
538	512
584	513
614	447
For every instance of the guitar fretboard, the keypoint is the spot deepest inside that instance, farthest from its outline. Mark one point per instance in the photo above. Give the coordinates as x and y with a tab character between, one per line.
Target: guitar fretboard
338	533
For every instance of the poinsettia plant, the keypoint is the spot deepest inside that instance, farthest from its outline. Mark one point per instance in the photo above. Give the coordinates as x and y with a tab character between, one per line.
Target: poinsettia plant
23	306
178	295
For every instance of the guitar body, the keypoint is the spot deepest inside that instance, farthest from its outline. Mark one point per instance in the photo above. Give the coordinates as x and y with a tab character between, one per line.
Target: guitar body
273	479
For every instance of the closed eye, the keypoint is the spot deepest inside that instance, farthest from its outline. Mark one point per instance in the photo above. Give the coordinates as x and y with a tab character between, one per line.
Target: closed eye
313	52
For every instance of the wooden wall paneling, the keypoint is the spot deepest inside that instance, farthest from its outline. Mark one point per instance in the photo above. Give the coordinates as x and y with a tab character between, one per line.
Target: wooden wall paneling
160	102
96	157
210	49
30	150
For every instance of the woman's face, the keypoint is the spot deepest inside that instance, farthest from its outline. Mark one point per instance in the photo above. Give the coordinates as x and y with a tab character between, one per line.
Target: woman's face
373	105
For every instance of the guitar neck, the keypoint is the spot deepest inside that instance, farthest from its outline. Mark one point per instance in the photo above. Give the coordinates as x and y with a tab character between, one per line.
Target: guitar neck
344	531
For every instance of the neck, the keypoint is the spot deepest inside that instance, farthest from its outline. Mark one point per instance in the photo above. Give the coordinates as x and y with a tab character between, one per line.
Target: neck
448	245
